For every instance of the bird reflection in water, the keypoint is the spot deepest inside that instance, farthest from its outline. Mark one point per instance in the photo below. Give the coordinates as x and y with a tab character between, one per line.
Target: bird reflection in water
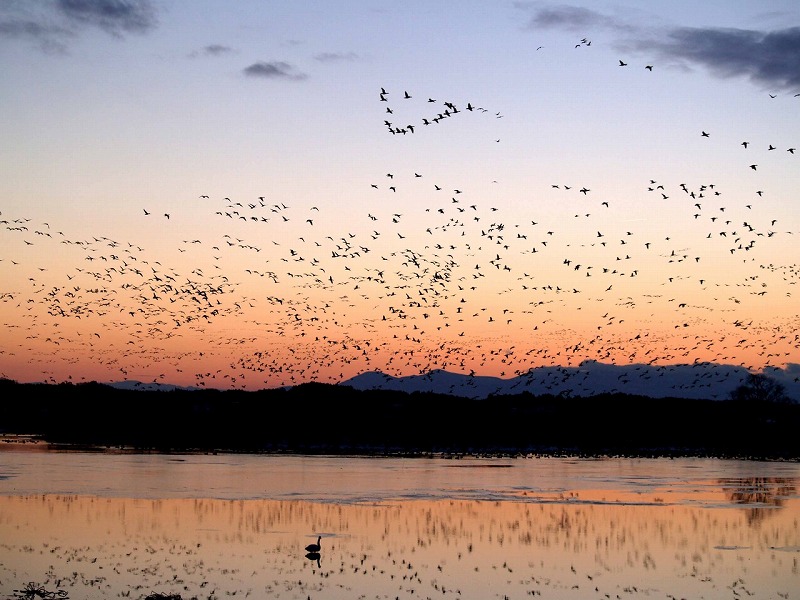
314	556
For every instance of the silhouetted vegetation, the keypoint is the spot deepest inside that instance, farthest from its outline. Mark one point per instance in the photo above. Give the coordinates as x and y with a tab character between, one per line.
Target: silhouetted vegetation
760	388
322	418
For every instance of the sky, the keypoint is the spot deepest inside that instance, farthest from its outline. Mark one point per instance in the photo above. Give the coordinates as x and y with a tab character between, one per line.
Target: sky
249	195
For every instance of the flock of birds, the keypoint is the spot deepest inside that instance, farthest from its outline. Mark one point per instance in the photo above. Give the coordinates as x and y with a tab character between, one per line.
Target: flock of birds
291	293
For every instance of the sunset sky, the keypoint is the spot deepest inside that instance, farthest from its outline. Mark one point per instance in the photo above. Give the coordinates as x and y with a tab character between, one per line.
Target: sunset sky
255	194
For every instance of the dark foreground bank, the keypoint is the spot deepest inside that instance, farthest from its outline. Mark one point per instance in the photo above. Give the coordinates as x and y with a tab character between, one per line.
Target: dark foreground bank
321	418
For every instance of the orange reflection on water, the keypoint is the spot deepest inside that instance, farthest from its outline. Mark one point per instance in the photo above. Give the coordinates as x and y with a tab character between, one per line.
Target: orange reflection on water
109	547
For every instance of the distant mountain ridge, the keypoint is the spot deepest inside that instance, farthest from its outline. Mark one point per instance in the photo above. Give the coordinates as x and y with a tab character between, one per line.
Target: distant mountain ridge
709	381
699	381
132	384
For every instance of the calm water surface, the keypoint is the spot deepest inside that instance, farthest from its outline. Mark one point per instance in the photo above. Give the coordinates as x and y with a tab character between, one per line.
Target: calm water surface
99	525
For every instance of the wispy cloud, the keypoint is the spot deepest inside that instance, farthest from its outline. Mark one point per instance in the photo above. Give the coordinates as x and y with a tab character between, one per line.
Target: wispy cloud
212	50
571	18
34	23
273	70
113	16
768	58
49	37
330	57
52	25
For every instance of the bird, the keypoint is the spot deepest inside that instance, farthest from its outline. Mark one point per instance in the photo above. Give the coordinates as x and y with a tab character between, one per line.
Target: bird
623	64
314	547
649	67
704	134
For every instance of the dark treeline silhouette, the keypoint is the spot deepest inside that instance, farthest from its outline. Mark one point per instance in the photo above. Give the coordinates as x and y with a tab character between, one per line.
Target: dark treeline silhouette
322	418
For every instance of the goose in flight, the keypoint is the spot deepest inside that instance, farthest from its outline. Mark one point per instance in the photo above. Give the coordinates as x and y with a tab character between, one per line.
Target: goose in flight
623	64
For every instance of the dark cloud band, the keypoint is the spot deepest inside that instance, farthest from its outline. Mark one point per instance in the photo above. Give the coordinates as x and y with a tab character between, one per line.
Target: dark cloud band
769	58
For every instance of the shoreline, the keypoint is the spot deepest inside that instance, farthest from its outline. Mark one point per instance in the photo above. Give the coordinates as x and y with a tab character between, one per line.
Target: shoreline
36	443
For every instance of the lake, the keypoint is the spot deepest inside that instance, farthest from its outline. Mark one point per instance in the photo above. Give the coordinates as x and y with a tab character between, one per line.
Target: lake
206	526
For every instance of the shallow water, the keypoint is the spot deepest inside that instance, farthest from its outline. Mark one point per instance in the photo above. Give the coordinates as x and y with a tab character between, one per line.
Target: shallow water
210	526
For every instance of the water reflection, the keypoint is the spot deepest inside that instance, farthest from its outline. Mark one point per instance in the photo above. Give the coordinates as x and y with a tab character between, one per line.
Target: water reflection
763	493
96	547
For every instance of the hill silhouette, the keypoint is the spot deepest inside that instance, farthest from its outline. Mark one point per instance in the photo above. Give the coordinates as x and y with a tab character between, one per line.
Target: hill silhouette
698	380
315	418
